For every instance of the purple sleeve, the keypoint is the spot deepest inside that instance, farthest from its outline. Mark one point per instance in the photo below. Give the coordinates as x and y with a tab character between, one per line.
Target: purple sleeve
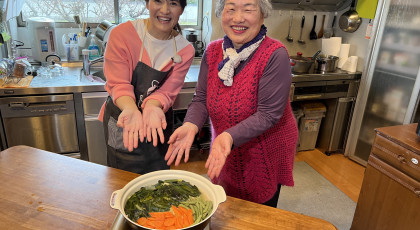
273	94
197	109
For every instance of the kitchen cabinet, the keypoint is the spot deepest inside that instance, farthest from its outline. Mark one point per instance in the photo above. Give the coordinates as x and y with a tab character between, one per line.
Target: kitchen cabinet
390	194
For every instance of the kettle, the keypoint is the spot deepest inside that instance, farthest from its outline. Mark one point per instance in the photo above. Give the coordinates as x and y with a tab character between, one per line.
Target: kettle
44	41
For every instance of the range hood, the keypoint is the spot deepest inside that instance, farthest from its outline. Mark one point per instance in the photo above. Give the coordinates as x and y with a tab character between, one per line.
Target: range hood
311	5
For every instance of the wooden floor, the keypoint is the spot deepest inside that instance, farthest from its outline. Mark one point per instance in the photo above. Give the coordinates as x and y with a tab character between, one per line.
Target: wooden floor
344	173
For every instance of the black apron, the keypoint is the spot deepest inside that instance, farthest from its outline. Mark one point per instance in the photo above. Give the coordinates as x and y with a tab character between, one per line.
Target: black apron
146	158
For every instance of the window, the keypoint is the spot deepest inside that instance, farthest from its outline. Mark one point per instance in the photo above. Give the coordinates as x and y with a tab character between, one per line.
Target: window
95	11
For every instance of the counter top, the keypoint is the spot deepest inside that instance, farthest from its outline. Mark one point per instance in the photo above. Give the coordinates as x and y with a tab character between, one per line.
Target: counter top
73	81
44	190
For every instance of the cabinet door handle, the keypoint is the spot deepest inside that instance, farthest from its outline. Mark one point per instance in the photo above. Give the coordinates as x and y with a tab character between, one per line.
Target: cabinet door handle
417	192
402	159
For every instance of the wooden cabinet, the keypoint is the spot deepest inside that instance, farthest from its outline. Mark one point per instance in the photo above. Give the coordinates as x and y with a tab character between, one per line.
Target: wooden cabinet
390	194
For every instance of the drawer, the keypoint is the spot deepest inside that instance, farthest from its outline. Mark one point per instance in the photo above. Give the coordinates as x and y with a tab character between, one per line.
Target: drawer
402	159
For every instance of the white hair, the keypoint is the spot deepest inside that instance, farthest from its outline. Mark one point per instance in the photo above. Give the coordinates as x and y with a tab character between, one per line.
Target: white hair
265	6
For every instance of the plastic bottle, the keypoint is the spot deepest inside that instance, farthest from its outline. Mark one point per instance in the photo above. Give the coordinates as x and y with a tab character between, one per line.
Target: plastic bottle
94	49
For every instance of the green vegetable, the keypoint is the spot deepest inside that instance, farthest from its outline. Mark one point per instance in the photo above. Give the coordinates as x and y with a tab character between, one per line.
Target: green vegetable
159	198
200	206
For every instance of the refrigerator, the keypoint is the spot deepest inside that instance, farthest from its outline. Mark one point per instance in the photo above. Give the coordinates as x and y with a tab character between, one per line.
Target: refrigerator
390	84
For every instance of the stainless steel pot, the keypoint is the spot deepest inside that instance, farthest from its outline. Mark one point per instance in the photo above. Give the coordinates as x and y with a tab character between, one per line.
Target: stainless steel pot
326	63
300	64
213	192
103	30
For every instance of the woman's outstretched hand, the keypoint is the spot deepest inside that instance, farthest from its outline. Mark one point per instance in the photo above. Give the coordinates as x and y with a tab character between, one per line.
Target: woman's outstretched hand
131	121
219	152
180	142
154	121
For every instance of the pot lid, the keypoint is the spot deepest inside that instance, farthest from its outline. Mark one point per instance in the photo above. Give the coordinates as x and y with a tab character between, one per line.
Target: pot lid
299	57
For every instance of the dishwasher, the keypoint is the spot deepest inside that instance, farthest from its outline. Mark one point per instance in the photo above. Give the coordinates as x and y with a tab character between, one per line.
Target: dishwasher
92	103
46	122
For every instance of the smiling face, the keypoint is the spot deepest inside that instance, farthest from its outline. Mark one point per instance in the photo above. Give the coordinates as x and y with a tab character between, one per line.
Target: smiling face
241	20
164	15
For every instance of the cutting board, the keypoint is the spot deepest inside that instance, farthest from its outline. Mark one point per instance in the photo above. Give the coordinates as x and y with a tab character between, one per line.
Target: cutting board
366	8
12	82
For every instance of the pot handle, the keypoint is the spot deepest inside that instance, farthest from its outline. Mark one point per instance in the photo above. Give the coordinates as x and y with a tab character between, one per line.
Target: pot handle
114	201
220	194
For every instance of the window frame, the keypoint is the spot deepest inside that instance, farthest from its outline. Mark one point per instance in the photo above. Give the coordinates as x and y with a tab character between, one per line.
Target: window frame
22	23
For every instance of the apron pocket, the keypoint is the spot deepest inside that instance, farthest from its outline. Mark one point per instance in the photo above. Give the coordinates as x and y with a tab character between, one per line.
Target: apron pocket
115	135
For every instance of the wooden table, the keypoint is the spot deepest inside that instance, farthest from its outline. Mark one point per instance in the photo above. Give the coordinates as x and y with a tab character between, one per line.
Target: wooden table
44	190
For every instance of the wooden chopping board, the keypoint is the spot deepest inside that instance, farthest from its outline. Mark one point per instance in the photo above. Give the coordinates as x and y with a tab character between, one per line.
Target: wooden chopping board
12	82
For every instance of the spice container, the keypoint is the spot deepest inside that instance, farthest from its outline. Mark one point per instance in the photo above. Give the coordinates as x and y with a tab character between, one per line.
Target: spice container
19	70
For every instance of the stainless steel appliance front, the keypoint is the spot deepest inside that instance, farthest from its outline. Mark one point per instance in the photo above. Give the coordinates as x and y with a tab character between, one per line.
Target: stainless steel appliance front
45	122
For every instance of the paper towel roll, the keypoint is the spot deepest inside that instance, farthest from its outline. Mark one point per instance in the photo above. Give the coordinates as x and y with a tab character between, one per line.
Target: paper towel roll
351	64
331	46
344	55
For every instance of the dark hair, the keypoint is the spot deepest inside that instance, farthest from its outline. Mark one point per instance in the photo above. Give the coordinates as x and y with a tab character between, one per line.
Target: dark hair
183	5
182	2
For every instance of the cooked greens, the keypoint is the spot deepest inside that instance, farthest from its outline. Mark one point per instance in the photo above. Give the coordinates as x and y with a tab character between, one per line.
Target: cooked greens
159	198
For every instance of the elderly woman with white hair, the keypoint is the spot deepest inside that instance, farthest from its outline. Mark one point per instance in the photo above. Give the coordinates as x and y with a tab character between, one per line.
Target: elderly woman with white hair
243	87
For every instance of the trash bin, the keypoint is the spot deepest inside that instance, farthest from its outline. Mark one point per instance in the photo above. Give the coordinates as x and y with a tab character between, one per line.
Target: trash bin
309	124
298	113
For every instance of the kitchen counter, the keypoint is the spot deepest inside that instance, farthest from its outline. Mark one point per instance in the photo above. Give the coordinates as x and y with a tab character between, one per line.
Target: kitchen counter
44	190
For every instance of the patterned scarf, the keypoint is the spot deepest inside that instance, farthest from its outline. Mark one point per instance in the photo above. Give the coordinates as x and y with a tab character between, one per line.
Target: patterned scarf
232	57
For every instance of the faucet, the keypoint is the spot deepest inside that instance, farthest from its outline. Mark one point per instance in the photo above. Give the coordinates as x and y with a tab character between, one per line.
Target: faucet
87	63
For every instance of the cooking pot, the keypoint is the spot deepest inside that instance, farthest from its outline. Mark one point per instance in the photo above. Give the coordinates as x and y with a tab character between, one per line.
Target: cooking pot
212	192
325	63
300	64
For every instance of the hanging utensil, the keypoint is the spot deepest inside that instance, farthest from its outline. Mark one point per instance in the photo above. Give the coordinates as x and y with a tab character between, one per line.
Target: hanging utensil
301	29
77	20
350	20
312	34
316	54
289	38
333	24
321	31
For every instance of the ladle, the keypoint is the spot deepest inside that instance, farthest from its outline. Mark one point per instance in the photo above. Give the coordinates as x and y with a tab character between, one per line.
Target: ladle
301	29
289	38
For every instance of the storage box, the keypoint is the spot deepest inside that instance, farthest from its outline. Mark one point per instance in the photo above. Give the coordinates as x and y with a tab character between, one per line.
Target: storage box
309	124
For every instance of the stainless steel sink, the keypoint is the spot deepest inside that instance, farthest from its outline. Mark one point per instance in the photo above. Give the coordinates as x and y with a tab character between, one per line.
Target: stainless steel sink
99	73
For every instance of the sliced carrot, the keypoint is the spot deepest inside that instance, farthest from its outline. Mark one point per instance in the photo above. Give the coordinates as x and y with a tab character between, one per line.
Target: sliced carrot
169	221
142	220
178	221
157	215
169	214
177	217
185	222
190	217
158	224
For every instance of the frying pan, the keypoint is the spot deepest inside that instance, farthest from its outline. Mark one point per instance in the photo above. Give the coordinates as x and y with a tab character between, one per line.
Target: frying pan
350	20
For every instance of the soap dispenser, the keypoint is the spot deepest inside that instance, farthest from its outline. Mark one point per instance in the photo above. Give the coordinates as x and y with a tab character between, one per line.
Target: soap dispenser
94	49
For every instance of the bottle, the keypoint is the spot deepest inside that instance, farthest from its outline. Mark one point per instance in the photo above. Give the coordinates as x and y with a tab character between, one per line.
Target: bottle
94	49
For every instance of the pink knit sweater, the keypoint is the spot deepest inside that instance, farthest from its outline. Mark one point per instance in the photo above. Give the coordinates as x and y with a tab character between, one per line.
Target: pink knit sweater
253	170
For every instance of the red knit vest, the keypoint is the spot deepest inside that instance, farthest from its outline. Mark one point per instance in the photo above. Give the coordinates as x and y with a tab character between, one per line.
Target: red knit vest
253	170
